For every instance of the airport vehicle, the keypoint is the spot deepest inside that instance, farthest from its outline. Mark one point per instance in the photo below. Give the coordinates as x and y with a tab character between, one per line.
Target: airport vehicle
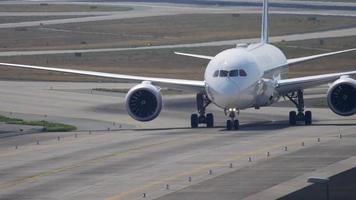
248	76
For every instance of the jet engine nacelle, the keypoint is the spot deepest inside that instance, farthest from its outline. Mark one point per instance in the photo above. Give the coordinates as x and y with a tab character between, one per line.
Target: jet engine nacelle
144	102
342	96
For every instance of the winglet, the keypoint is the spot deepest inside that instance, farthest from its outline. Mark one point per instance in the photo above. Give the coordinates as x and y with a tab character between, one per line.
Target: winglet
264	31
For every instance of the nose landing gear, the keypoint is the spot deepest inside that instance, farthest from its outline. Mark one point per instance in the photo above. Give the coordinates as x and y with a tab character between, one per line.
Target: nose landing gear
232	123
294	117
208	119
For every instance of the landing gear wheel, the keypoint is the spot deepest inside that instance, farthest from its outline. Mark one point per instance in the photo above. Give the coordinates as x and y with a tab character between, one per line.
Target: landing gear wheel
236	124
229	125
233	123
209	120
202	101
201	119
194	121
308	118
298	99
292	118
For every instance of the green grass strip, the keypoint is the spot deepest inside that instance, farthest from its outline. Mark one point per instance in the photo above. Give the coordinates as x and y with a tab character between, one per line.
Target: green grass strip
48	126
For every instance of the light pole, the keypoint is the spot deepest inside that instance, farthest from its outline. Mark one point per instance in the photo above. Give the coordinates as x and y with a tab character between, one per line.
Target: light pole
323	181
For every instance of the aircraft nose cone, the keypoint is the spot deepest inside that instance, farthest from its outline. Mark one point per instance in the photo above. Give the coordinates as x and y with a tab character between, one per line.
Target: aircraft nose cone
225	94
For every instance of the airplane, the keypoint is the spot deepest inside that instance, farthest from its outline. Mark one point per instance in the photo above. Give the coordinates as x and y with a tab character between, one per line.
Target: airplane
247	76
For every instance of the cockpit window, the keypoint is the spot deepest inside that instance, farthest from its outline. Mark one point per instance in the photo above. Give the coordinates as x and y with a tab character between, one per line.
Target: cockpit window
234	73
223	73
242	73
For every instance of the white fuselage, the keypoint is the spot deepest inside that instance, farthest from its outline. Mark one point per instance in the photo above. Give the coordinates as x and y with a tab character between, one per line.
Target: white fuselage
237	79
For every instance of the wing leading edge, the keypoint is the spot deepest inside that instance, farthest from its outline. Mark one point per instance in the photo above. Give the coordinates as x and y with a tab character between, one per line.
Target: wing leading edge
294	84
314	57
194	55
176	83
295	61
290	85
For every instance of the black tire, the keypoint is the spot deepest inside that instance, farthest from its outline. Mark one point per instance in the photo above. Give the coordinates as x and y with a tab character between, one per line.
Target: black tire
292	118
210	120
236	124
194	121
308	118
229	125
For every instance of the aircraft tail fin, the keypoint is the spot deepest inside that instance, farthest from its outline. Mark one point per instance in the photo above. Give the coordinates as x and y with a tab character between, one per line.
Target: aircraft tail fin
264	31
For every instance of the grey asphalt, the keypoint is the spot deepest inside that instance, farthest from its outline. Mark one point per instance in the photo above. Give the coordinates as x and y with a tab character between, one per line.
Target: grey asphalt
163	159
147	10
145	158
292	37
247	181
341	186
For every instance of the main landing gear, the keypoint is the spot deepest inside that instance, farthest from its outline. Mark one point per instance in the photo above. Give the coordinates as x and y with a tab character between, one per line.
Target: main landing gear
232	123
208	119
294	117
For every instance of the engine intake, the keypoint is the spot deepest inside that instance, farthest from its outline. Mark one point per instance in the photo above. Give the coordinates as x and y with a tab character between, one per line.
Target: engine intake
144	102
342	96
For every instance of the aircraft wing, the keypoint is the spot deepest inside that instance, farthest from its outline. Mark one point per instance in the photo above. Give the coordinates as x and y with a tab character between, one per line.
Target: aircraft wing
194	55
294	84
314	57
172	83
295	61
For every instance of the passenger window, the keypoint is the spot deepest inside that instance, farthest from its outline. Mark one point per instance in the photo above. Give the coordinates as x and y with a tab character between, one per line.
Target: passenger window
216	73
223	73
234	73
242	72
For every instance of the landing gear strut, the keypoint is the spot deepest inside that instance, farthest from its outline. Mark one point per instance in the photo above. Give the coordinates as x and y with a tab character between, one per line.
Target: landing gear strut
208	119
298	100
232	123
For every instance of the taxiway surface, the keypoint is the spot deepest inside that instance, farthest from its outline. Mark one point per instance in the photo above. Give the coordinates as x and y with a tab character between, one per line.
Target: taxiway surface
113	157
164	159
